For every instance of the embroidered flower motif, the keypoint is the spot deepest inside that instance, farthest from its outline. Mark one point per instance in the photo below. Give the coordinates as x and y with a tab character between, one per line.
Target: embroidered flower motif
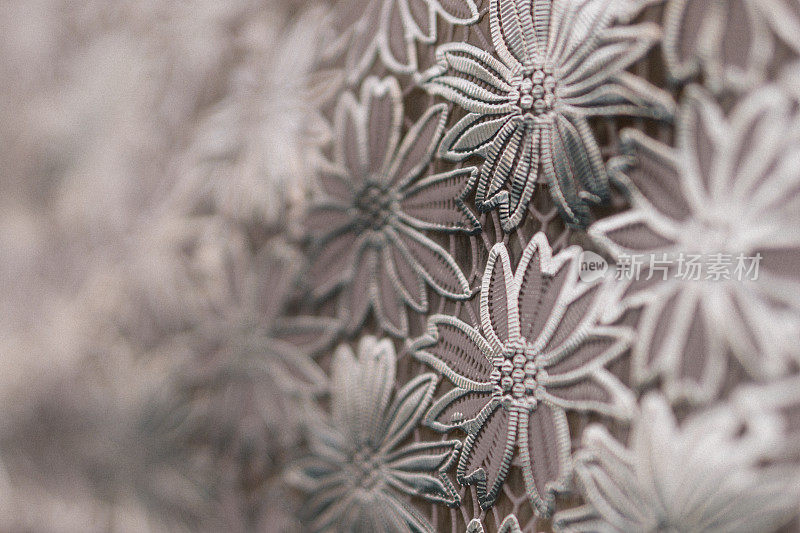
728	40
360	468
249	154
510	524
726	200
540	352
390	29
560	63
367	232
704	475
195	289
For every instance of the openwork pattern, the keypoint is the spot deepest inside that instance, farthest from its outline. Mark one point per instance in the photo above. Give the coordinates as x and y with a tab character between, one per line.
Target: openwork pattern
355	308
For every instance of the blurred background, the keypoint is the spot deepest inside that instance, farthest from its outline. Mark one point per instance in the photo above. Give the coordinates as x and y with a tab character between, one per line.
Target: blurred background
149	151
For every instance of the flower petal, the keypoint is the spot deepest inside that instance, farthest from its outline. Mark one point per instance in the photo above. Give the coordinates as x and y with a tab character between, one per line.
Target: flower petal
455	349
597	390
499	311
620	94
389	306
486	456
363	46
381	101
324	219
545	446
654	172
334	183
634	232
422	17
333	262
418	146
362	290
308	334
513	33
458	408
409	404
362	388
470	78
437	202
575	29
472	135
433	263
670	325
729	41
350	152
409	284
615	50
419	470
541	278
570	359
396	42
496	171
456	11
573	178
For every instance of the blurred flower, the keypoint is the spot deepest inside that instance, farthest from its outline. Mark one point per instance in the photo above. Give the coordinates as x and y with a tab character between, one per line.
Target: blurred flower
249	154
704	475
541	352
729	41
559	64
197	296
730	188
108	441
390	29
360	467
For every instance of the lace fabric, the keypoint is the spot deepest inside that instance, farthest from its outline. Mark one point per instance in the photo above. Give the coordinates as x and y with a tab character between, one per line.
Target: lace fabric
394	286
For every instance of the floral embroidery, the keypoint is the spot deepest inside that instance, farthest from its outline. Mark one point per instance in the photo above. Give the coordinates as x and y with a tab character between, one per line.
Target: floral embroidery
560	63
249	372
249	153
728	40
510	524
540	352
729	190
367	232
360	468
704	475
390	30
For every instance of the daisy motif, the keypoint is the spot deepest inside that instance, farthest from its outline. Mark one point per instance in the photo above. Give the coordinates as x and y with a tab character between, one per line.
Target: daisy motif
705	474
539	353
560	62
730	41
710	250
390	30
368	231
361	467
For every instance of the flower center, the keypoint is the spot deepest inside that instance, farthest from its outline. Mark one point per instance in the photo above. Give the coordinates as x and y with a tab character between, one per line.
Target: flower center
713	237
364	470
535	92
374	204
515	376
